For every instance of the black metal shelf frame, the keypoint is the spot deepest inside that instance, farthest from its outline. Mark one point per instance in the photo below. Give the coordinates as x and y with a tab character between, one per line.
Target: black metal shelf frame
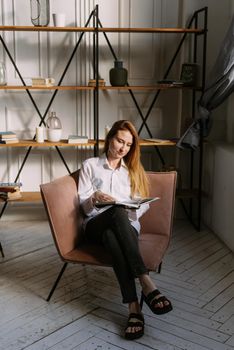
94	16
192	23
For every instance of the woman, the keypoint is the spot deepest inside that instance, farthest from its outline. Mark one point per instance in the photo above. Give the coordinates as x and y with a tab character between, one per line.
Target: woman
119	175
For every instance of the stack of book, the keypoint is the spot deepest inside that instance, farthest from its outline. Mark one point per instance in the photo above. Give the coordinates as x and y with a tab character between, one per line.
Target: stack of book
43	82
8	137
77	139
10	191
92	82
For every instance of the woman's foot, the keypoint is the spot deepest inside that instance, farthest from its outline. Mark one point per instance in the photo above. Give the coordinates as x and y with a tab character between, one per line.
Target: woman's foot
135	324
157	302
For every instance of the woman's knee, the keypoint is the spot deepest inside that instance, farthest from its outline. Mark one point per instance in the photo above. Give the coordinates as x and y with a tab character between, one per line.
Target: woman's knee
119	213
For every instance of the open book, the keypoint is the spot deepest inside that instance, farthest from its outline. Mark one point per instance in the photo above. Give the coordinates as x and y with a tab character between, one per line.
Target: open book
134	204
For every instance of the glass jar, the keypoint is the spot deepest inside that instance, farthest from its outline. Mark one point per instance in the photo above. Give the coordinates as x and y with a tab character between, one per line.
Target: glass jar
54	128
3	80
40	12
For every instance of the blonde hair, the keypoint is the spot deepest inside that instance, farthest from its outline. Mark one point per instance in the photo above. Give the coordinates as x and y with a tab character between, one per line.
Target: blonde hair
138	178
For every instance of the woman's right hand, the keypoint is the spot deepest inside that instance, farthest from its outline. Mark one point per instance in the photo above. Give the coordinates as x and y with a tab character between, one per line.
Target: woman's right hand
100	196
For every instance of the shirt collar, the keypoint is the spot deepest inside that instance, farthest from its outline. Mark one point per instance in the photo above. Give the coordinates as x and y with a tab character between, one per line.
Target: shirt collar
103	161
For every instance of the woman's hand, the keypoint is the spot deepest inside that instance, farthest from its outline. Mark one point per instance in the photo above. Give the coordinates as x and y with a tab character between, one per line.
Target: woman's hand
99	196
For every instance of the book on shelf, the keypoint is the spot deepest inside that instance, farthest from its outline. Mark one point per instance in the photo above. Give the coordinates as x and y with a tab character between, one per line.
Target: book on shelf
10	196
10	140
7	189
11	184
77	139
7	135
43	82
92	82
131	204
10	190
171	82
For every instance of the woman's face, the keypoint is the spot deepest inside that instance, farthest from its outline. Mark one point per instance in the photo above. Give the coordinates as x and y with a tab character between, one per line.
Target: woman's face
120	144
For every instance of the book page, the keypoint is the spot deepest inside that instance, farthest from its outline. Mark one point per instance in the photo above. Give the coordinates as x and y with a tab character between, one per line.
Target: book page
128	204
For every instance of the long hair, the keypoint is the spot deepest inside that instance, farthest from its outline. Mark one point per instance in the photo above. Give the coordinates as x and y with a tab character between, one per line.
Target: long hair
138	178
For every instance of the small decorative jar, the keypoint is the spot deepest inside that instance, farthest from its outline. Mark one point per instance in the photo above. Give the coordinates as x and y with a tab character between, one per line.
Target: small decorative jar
118	74
40	134
54	128
40	12
3	80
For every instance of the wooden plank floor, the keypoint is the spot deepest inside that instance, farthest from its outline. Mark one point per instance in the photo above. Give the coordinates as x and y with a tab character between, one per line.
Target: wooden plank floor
86	310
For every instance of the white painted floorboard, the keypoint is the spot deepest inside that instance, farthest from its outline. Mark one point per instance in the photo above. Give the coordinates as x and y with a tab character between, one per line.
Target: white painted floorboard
86	312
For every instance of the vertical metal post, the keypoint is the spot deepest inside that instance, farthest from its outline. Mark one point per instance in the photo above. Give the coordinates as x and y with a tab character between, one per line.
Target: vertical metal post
201	124
1	250
96	76
191	181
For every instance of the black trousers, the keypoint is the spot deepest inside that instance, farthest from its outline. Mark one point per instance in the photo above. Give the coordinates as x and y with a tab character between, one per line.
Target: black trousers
113	230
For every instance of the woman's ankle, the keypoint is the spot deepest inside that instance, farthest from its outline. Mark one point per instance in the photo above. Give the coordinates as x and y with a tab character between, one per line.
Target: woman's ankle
147	284
134	307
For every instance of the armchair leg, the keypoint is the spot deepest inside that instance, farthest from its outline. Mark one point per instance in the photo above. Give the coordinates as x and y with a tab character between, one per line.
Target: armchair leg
141	301
160	267
57	281
1	250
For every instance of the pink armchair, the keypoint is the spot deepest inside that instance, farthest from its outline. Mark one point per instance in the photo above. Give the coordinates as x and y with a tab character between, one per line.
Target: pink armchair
61	202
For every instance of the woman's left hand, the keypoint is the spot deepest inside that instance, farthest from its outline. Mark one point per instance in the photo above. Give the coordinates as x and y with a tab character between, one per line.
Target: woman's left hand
100	196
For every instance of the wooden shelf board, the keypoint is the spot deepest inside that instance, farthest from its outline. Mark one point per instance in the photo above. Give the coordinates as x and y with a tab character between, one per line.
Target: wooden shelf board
92	29
108	87
64	143
148	87
45	29
26	197
158	143
30	87
149	30
33	143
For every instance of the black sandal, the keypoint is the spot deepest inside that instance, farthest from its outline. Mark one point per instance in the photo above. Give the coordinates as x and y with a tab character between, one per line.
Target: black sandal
151	300
135	320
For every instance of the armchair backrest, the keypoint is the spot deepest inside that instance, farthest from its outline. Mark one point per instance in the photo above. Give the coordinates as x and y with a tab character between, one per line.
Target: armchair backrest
157	223
61	201
159	218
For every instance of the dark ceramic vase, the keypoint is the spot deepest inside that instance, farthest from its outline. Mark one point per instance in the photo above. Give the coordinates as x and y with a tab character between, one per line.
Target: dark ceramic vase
118	74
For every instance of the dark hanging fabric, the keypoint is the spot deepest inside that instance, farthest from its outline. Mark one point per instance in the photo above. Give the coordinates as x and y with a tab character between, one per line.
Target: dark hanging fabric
220	85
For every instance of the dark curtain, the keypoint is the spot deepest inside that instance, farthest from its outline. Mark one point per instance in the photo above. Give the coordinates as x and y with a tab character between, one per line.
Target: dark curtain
220	85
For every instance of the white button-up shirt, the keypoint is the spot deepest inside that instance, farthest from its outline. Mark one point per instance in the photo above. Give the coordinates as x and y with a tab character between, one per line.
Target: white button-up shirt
97	175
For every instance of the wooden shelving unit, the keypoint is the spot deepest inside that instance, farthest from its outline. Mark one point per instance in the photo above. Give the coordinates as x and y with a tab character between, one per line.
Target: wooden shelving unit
96	29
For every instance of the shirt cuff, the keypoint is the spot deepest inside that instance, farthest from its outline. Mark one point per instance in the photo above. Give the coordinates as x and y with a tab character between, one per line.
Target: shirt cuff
88	206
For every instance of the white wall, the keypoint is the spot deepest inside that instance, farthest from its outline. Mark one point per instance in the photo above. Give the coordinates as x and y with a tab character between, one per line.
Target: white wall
218	171
219	186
